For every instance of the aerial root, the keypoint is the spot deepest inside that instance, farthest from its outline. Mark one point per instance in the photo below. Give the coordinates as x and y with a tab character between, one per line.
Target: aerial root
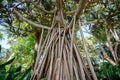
54	58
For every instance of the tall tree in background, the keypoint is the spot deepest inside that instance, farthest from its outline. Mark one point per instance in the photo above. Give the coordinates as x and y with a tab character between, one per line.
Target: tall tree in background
103	20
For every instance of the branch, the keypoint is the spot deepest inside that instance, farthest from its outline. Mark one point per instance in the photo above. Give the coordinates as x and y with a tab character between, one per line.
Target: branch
70	12
42	10
50	12
29	21
116	49
87	53
116	36
105	54
109	45
81	7
60	5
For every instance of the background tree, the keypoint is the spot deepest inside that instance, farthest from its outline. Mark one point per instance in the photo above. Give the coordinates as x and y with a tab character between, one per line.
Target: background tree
103	22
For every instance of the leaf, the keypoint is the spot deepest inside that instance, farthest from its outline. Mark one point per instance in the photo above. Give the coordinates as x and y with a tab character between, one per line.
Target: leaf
26	74
4	76
11	73
18	69
8	62
43	79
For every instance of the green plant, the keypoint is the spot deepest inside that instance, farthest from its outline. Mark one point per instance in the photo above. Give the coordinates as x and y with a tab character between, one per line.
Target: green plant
13	73
107	71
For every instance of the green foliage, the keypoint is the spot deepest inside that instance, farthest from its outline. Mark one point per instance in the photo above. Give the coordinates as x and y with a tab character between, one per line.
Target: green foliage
25	75
108	72
13	73
43	79
101	15
23	47
90	40
1	35
6	63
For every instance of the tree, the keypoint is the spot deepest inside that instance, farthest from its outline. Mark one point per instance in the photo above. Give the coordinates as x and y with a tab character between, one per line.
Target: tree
57	54
103	21
55	23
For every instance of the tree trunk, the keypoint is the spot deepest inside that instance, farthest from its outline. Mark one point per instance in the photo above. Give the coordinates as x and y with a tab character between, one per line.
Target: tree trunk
37	38
58	57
